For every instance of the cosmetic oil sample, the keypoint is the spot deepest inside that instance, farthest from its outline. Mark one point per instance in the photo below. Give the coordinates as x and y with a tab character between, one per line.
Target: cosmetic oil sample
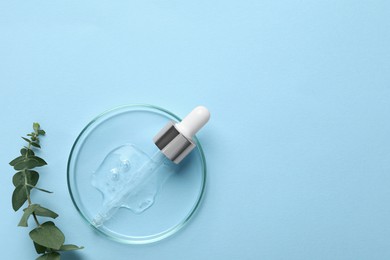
129	178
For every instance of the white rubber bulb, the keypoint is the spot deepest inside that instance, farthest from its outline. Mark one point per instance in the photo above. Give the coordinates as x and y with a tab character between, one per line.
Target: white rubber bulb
194	121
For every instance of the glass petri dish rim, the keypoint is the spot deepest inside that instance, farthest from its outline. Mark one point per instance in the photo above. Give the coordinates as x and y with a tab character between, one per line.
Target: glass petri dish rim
143	239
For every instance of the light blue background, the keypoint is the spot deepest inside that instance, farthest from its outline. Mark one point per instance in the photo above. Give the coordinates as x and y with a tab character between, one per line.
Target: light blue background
298	146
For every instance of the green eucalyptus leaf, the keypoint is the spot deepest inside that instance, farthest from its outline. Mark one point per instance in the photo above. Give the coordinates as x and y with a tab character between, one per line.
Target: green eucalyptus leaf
25	151
40	189
27	140
44	212
48	235
70	247
41	132
19	178
35	144
27	163
36	126
27	213
16	160
21	165
40	161
39	248
38	210
50	256
19	197
32	177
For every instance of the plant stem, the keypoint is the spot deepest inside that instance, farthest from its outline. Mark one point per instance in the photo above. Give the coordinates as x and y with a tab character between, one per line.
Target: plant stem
28	192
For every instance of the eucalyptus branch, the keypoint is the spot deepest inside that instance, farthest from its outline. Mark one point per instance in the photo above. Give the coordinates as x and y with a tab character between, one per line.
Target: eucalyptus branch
48	239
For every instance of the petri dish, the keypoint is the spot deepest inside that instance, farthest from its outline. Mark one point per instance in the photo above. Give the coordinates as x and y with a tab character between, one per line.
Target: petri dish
177	198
